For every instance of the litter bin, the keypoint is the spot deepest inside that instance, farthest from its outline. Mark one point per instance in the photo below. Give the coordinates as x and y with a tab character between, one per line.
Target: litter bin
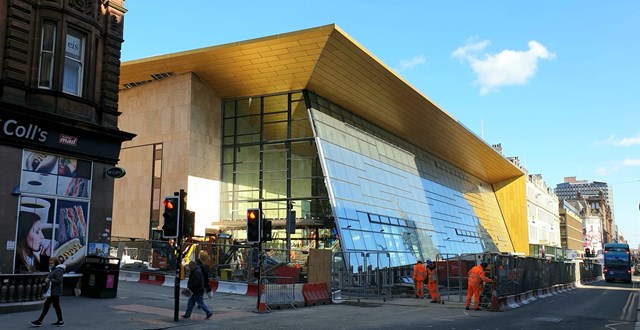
100	277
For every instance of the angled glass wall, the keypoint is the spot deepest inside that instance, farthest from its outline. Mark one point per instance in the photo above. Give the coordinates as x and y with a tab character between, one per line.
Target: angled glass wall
384	194
388	195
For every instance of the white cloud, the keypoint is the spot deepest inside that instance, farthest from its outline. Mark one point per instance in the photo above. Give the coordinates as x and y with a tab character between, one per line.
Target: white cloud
509	67
409	64
631	162
471	47
626	142
623	142
603	170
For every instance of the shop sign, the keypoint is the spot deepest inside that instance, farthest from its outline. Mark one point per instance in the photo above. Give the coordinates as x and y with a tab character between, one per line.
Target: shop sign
13	129
116	172
68	140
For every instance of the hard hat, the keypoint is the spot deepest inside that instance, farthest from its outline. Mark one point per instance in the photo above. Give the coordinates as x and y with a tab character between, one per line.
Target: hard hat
484	264
429	262
419	261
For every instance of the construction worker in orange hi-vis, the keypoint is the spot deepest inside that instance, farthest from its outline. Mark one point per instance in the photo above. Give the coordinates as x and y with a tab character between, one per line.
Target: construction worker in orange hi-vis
419	274
432	281
475	284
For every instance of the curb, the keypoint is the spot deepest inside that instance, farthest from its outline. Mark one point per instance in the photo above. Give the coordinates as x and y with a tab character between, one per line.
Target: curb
521	299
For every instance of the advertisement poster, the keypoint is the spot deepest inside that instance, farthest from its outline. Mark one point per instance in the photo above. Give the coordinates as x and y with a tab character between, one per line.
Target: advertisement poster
592	231
34	241
54	209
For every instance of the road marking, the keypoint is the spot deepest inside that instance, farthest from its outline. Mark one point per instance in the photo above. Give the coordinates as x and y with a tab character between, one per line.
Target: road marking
629	313
548	319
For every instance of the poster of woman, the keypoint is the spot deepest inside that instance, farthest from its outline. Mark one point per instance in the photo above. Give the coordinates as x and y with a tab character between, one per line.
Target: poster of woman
34	243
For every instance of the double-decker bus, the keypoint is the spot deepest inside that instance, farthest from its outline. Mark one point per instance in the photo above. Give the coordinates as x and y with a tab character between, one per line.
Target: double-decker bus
617	262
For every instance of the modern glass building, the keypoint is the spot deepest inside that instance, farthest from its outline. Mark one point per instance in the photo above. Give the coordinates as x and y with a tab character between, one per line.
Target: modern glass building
310	120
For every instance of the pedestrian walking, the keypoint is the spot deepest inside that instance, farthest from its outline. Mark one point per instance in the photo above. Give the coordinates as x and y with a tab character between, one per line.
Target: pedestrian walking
419	273
475	284
54	280
203	264
196	286
432	281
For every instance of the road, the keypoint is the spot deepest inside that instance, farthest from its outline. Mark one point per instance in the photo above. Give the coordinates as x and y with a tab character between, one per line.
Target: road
598	305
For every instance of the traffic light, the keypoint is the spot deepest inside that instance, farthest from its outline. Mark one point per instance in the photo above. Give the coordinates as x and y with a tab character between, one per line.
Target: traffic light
188	223
254	220
171	216
183	202
587	252
266	230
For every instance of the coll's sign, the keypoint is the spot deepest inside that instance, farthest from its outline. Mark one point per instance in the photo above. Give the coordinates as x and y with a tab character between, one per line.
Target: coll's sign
25	131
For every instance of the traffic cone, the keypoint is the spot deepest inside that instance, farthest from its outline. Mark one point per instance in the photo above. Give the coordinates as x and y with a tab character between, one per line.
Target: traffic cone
262	307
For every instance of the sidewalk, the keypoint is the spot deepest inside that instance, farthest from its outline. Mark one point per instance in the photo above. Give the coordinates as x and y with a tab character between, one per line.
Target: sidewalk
147	306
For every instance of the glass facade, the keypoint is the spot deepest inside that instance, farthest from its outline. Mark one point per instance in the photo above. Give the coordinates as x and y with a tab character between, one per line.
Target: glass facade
269	159
384	194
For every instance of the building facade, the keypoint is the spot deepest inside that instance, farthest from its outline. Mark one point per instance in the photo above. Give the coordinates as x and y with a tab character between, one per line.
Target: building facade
310	121
58	130
571	235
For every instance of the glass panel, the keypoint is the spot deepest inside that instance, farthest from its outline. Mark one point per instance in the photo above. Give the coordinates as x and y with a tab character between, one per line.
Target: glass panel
47	51
301	188
248	125
276	103
250	106
227	155
229	109
275	131
301	129
229	129
73	63
272	189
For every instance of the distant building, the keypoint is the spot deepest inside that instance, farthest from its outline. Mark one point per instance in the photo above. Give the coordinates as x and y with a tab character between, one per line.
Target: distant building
573	189
543	217
571	228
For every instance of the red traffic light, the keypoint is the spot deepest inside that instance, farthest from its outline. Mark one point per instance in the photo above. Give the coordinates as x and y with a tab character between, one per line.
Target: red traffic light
168	204
252	215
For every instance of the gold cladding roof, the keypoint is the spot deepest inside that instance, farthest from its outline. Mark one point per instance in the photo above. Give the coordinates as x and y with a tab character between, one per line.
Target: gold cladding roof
327	61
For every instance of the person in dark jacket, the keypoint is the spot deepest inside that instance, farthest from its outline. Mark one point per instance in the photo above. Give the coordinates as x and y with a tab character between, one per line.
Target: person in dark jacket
203	264
196	285
54	279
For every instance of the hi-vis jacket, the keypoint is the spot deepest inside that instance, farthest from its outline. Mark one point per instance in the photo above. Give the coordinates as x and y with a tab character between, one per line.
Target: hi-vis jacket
432	274
476	276
419	273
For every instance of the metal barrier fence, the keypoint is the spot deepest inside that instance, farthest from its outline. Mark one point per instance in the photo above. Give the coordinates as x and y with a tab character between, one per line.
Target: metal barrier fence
513	274
372	279
276	294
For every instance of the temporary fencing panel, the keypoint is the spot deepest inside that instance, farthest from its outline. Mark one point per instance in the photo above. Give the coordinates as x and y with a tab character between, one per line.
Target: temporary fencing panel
277	295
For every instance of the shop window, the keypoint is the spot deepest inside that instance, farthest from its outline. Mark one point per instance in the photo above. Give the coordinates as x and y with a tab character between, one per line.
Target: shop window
47	51
73	63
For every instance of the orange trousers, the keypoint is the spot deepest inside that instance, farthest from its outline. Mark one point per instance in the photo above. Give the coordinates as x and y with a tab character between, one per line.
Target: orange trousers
419	286
433	290
473	291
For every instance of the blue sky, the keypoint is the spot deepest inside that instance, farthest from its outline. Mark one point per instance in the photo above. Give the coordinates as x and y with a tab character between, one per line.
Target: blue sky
557	83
